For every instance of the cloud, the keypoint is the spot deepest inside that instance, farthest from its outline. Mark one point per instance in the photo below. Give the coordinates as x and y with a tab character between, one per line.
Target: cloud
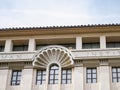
28	13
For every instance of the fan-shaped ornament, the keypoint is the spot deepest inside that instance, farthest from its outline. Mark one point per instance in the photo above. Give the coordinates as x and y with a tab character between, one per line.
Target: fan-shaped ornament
53	54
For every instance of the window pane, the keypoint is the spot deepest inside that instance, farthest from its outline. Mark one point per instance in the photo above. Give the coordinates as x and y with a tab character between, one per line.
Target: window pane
118	69
88	75
56	81
64	71
114	79
63	81
94	80
52	72
88	70
51	76
114	74
88	80
69	76
114	70
19	78
63	76
68	81
94	71
118	79
94	76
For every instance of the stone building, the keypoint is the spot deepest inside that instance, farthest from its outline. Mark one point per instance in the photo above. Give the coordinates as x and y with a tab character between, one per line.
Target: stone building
85	57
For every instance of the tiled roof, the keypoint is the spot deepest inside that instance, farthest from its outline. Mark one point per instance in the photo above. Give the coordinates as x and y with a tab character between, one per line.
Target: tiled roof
54	27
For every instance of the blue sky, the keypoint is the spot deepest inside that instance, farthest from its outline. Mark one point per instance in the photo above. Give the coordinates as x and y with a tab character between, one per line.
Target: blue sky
35	13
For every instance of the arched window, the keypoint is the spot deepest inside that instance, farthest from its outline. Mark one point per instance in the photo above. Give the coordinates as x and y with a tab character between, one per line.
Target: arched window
53	74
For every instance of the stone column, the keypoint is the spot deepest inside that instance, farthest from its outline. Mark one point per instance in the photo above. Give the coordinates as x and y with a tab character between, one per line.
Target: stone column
78	82
3	79
31	46
102	42
78	43
26	80
8	45
104	75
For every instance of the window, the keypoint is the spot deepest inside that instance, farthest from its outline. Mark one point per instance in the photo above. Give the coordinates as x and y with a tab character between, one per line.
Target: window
91	45
66	76
40	77
20	48
91	75
16	77
116	74
1	48
113	44
69	45
53	74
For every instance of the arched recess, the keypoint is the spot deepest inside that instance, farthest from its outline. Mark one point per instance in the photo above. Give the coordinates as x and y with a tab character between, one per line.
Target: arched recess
53	54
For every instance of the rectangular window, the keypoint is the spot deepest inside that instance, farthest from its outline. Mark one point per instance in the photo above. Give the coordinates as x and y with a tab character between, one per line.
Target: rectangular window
113	44
91	75
66	76
90	45
116	74
40	77
16	77
1	48
20	47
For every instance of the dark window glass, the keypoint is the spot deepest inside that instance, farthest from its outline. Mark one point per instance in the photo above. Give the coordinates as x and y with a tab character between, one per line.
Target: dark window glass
20	48
116	74
16	77
90	45
38	46
1	48
69	46
113	44
40	77
66	76
53	74
91	75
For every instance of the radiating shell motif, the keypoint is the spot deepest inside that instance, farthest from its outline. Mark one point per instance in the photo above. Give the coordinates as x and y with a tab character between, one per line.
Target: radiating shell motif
53	54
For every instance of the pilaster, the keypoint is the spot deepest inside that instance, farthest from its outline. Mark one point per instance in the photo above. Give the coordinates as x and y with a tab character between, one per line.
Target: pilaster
78	75
8	45
104	78
31	46
78	43
102	42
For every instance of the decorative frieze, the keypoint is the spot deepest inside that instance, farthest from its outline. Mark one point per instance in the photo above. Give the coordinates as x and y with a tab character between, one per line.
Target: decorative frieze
16	56
96	54
77	54
103	62
78	62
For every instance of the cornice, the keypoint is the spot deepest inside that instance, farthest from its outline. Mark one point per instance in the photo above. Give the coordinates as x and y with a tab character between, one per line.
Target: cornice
61	27
60	30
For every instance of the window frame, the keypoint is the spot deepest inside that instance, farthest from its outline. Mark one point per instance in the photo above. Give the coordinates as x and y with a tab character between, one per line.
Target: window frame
66	74
20	48
17	76
117	78
42	76
91	74
54	75
112	44
90	45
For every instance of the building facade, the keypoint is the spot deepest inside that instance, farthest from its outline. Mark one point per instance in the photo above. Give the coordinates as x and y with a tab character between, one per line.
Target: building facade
60	58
